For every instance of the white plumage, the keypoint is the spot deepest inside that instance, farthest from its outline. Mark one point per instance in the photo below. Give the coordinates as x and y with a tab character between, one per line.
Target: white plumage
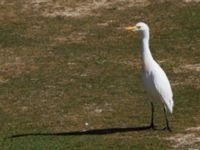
154	78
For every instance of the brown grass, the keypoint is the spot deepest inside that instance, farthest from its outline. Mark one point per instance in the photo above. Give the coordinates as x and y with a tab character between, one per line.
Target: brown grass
180	141
73	65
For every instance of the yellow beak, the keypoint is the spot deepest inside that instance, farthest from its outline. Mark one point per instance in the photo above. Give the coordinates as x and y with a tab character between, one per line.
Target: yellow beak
131	28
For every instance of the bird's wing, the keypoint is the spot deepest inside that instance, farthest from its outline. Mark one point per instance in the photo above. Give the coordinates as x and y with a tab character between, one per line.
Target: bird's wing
163	87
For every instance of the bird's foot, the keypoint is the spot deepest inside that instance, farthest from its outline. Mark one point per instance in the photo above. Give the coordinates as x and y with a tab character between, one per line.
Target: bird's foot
152	126
167	128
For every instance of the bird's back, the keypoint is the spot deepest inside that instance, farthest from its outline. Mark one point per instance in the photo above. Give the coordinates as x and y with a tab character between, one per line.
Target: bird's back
157	84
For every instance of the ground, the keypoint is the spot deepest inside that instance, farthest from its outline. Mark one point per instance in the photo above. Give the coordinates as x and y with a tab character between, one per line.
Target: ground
70	74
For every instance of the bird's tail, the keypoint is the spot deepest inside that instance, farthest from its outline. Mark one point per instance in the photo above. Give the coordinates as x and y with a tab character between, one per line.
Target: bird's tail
170	106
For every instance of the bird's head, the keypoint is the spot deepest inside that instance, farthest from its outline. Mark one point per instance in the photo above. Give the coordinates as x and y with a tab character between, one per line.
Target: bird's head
140	26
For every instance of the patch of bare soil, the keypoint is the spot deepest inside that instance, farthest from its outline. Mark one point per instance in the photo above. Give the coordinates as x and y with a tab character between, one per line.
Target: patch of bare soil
80	8
193	129
190	140
192	67
189	1
63	8
181	140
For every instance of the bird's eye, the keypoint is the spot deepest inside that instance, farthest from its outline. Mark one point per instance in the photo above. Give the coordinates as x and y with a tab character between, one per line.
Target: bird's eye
139	27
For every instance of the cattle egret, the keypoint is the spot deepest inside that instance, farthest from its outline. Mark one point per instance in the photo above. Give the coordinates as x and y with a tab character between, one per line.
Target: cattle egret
154	78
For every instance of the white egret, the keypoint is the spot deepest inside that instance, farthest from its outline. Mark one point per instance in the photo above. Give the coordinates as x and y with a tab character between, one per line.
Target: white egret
154	78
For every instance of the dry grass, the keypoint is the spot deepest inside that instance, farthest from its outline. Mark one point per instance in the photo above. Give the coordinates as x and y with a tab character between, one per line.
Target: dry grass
182	140
191	139
68	65
68	8
192	67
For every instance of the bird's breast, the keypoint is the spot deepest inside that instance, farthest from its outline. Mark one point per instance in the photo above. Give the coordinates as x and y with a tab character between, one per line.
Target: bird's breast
148	83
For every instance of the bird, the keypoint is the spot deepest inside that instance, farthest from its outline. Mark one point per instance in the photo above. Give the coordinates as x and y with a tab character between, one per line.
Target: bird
154	78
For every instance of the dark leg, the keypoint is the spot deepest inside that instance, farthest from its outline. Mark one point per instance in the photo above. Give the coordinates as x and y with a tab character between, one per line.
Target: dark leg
167	122
152	116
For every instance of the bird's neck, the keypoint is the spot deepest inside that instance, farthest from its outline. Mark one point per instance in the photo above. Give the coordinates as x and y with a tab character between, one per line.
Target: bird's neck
147	58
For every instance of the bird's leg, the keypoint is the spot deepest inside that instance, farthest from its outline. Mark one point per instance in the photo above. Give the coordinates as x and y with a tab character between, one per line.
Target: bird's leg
167	122
152	116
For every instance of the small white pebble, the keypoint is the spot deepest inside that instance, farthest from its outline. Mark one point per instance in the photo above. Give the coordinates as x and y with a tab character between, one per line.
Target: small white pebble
98	110
86	123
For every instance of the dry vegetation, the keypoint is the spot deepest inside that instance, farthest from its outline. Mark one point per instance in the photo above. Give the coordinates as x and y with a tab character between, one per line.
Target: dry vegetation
67	65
